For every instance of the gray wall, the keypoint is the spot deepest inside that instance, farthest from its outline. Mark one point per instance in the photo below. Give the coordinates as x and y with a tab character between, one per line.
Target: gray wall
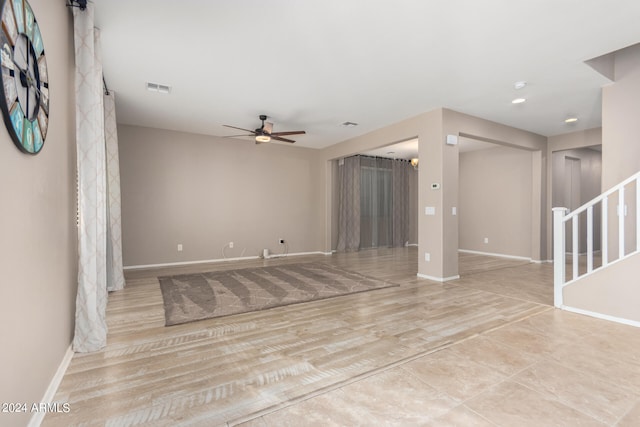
204	192
38	251
483	130
590	176
495	201
620	124
568	141
590	162
620	135
612	291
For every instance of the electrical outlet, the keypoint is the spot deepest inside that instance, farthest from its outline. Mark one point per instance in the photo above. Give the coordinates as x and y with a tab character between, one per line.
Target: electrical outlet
281	241
179	247
486	240
427	256
231	245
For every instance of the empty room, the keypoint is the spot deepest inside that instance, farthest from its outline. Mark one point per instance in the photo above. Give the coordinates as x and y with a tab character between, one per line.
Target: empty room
336	213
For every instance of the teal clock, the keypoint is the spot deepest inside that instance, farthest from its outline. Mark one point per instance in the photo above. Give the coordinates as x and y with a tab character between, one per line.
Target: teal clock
24	97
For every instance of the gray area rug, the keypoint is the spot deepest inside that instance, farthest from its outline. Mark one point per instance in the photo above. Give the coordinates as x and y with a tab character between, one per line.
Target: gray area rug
190	297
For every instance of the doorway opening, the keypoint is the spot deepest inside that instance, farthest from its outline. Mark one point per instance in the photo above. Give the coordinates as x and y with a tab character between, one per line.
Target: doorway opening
576	176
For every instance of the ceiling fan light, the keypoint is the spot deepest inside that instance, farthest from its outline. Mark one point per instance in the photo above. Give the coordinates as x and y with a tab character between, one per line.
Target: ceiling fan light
263	138
520	85
414	162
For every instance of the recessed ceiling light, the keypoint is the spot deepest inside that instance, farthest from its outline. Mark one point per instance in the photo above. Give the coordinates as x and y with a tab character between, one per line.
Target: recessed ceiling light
519	85
349	124
571	120
518	101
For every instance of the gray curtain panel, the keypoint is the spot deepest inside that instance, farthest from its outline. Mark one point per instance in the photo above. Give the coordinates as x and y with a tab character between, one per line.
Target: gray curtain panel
376	197
349	204
400	227
373	203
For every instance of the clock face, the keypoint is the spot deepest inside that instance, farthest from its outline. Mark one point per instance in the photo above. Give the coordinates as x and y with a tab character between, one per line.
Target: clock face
24	94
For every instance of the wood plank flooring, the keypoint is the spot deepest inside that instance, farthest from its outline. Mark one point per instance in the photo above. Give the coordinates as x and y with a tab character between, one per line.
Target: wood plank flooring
263	368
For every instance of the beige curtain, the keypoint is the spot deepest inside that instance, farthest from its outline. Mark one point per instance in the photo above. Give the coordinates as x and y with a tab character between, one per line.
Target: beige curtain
99	247
115	273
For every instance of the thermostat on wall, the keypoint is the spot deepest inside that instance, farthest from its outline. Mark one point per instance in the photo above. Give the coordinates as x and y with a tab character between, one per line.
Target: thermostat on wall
452	139
435	186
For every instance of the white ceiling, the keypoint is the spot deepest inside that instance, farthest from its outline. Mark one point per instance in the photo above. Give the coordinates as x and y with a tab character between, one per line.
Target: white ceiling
313	65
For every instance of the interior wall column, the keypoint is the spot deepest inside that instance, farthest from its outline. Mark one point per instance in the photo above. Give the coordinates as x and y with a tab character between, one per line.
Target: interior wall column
438	195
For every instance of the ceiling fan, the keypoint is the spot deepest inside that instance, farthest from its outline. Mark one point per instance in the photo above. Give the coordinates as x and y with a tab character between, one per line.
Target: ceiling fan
264	133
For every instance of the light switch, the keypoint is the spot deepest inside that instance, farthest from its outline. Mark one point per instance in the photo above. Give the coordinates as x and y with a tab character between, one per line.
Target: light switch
429	210
454	211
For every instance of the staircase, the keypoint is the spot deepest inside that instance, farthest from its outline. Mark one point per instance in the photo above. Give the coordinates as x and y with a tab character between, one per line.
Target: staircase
595	237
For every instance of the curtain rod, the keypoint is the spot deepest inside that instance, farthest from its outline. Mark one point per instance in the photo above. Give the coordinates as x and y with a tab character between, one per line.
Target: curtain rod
104	82
380	157
82	4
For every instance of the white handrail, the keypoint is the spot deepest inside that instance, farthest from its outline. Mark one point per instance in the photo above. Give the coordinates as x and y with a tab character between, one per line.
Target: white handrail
560	219
607	193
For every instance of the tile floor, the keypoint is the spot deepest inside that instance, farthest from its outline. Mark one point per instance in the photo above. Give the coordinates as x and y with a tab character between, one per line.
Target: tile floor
485	350
552	369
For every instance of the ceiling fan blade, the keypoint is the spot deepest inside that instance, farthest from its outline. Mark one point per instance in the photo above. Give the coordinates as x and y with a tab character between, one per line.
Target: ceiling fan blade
277	138
291	132
235	136
246	130
267	128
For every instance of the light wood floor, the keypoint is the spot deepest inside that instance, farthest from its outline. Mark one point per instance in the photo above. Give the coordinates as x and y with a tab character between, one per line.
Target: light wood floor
487	349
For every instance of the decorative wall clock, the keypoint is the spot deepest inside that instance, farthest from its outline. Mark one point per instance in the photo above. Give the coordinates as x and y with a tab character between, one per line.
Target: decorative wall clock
24	94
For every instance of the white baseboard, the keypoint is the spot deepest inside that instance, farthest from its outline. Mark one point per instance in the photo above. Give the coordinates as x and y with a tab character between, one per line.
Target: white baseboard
602	316
296	254
437	279
522	258
50	393
209	261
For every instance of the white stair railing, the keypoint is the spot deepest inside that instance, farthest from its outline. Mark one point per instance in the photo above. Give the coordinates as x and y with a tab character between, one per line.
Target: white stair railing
586	213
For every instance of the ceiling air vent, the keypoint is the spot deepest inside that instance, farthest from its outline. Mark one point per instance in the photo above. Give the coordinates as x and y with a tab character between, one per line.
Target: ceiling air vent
155	87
